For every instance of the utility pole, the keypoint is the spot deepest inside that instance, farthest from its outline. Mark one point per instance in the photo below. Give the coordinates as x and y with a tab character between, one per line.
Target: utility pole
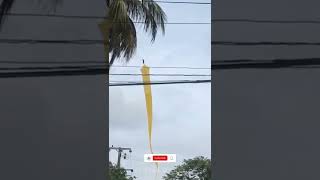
119	150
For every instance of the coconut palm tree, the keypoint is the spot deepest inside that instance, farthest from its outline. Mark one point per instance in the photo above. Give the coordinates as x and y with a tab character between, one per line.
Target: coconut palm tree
121	17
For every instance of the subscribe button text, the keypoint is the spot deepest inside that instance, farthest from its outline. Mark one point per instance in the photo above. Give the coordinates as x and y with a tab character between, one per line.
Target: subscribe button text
160	158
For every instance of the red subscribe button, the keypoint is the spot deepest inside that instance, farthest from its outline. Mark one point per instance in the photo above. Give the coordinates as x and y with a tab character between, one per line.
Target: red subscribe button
160	158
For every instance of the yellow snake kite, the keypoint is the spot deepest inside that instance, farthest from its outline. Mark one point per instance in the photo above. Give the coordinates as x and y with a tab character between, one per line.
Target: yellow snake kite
148	95
104	28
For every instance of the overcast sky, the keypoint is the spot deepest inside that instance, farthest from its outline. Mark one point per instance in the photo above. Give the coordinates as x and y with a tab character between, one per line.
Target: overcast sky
182	118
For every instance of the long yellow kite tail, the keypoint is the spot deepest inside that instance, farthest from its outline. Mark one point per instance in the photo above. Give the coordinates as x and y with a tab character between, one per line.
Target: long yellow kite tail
148	96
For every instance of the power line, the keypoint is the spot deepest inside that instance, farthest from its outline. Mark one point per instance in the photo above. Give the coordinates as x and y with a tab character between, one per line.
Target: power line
93	42
133	82
160	83
264	43
216	65
93	67
190	75
218	20
241	64
60	62
89	72
46	41
51	68
55	16
55	73
91	17
75	72
98	62
265	63
165	67
52	62
184	2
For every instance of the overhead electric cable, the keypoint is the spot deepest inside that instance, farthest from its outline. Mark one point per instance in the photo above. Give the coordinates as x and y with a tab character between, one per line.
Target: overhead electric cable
51	68
52	62
128	74
215	20
164	82
17	69
232	20
55	73
218	65
89	72
183	2
166	67
92	42
265	63
90	17
264	43
44	62
48	41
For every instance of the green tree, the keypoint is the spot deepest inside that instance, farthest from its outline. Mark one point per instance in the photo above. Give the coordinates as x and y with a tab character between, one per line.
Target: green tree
117	173
198	168
121	14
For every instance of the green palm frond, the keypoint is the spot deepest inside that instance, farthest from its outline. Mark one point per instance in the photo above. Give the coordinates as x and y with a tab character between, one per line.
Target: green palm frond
148	12
123	42
122	13
154	17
